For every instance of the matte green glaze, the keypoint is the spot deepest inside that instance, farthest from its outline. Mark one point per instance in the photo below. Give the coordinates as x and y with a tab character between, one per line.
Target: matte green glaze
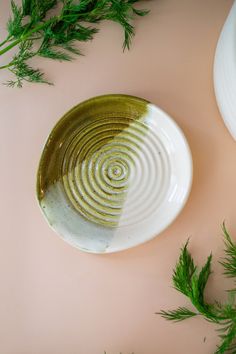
91	150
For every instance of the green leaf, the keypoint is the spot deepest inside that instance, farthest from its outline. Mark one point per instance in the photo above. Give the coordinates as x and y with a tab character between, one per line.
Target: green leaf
191	282
184	271
25	72
180	314
37	9
57	33
228	338
22	70
82	33
16	10
71	47
14	24
49	52
203	278
26	6
229	262
121	13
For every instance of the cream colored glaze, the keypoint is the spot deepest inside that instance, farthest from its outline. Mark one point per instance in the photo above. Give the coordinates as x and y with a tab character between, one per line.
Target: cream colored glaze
159	182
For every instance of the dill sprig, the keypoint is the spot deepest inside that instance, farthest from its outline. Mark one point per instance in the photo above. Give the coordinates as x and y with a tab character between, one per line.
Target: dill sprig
229	262
191	281
38	31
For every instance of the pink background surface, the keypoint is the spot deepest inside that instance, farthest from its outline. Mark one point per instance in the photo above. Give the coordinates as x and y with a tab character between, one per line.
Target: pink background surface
58	300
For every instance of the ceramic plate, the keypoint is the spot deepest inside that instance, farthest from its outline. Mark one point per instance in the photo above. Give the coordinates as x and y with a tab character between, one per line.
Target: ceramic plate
115	171
225	72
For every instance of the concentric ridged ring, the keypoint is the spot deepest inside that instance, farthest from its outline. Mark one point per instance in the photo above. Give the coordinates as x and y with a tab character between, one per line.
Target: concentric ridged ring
115	171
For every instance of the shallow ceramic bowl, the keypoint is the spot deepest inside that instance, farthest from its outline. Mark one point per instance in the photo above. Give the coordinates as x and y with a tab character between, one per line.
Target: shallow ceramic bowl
115	171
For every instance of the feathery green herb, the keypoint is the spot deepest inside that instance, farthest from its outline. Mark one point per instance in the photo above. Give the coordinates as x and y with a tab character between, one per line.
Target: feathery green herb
229	262
191	281
52	28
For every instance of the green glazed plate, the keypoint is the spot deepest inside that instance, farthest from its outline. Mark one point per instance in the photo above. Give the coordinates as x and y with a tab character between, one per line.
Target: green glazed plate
115	171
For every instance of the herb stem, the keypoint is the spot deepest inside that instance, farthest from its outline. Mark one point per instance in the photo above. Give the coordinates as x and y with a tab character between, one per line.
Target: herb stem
56	34
10	46
5	41
28	34
25	36
7	65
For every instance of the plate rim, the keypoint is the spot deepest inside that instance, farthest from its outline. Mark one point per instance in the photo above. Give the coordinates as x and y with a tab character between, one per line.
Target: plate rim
188	154
221	73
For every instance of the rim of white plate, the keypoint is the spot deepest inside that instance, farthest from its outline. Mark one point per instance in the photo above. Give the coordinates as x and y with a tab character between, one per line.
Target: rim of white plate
224	72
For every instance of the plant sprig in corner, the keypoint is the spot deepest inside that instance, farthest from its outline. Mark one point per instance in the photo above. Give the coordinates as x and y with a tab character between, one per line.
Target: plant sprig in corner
36	32
191	281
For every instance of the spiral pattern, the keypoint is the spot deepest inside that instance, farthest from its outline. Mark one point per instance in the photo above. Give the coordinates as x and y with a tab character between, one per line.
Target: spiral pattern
115	170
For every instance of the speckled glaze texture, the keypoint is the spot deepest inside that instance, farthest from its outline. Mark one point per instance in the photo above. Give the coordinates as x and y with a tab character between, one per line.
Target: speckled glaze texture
106	178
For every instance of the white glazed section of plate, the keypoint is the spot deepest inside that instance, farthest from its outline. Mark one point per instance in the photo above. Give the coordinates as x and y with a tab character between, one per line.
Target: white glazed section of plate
159	184
225	72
